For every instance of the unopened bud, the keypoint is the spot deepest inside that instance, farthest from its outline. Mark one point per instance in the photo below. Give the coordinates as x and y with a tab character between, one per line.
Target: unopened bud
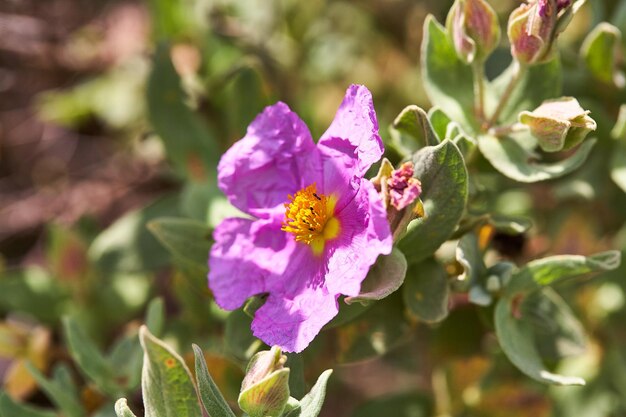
530	30
474	29
265	388
558	124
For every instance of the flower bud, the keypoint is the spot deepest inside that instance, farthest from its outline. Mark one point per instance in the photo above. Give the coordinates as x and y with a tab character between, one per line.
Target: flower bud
558	124
265	388
530	30
474	29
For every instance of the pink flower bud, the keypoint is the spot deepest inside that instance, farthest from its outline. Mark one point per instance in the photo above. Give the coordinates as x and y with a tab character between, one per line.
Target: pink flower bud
474	29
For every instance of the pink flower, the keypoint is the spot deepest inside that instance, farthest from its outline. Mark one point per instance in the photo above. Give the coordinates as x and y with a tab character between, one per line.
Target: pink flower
317	225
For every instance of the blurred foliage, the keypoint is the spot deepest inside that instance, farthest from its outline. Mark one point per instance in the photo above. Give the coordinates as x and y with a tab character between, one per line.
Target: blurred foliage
70	321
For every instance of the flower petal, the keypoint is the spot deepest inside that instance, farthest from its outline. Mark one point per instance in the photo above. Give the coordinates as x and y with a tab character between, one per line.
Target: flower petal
364	235
292	323
247	255
356	122
277	157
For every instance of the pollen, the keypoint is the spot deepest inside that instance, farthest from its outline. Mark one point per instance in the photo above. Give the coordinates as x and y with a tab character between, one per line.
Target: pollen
310	216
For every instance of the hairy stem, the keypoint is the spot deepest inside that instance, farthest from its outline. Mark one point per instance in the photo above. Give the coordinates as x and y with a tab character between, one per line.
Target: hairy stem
518	71
479	91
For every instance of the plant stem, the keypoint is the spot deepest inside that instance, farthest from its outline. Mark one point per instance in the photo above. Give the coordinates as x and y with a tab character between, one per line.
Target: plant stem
479	91
518	71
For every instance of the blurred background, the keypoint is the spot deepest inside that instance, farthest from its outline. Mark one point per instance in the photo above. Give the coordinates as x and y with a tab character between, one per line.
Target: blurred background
114	113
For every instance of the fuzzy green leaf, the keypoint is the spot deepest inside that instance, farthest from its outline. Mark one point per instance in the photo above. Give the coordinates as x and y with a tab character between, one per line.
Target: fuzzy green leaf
442	171
122	410
166	384
311	404
414	129
60	390
384	278
426	291
89	359
186	239
447	80
536	84
518	343
515	161
212	399
601	50
548	271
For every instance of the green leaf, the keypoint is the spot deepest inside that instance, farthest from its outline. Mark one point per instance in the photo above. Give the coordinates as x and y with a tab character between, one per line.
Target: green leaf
311	404
370	335
166	384
238	338
468	254
558	333
439	122
619	130
212	399
155	316
426	291
89	359
601	50
618	165
122	410
189	143
384	278
442	171
186	239
518	343
57	390
414	123
9	408
536	84
447	80
297	385
400	405
32	291
548	271
515	161
128	246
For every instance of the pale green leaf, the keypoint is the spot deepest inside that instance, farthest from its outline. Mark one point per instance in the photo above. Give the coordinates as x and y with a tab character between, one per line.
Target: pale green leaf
212	399
601	50
166	383
513	160
442	171
122	410
186	239
426	291
447	80
384	278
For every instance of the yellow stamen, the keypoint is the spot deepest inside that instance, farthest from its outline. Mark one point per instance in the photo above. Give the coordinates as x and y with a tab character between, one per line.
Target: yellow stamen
311	218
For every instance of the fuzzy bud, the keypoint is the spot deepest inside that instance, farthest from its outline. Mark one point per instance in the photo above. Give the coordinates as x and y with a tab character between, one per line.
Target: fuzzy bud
474	29
265	388
558	124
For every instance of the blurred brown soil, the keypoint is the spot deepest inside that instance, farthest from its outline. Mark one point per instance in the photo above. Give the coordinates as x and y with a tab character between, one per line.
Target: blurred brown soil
52	173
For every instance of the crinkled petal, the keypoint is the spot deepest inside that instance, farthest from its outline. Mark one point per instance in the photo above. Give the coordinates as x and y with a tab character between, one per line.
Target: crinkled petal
246	256
364	235
292	323
277	157
356	122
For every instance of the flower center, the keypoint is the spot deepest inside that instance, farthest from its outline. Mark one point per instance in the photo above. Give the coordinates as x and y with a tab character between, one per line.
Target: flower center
311	217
